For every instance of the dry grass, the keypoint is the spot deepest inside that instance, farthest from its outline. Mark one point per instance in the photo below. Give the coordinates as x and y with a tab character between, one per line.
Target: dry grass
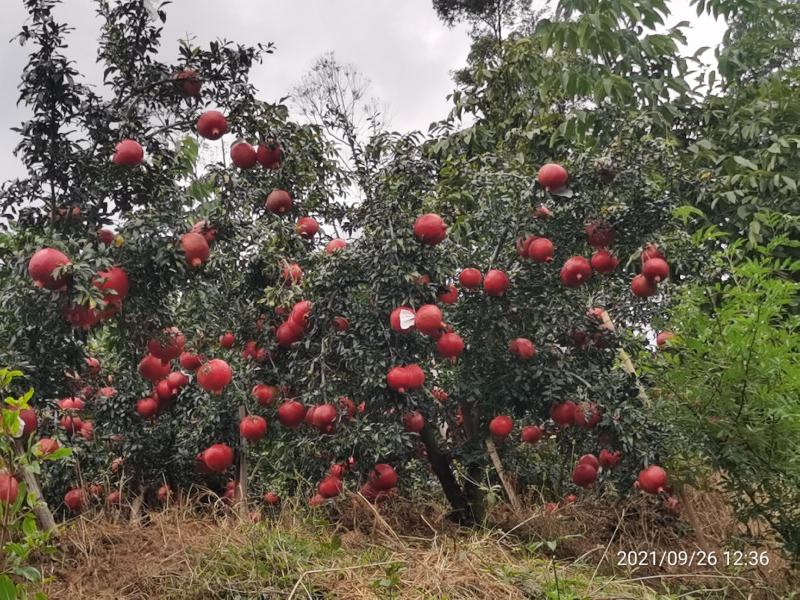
403	550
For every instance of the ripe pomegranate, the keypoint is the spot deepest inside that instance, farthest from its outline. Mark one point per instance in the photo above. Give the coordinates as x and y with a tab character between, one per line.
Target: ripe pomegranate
81	316
575	271
309	418
190	362
650	251
347	405
589	459
341	324
334	245
163	493
291	273
287	334
243	155
153	368
206	230
450	345
41	267
450	296
663	337
542	212
291	414
299	315
604	262
164	392
330	487
414	422
316	500
253	428
496	282
307	227
570	499
531	434
564	413
402	319
76	500
428	319
279	202
270	154
87	430
470	278
656	269
264	394
46	446
652	480
642	287
272	499
587	414
383	477
92	365
214	376
430	229
540	250
227	340
128	153
114	498
168	348
195	248
189	82
337	470
218	458
501	426
522	348
9	488
523	244
29	422
409	377
584	475
177	380
324	417
552	176
114	283
106	236
600	235
212	125
609	460
147	407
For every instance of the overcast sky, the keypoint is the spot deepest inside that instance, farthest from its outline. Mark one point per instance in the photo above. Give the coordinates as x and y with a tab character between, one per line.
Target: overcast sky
403	48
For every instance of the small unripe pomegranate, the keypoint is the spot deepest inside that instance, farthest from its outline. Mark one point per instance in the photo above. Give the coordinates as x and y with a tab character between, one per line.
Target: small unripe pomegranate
279	202
307	227
642	287
450	345
195	248
128	153
552	176
576	270
501	426
656	269
540	250
189	82
414	422
218	458
522	348
291	414
253	428
41	267
652	480
531	434
450	296
430	229
496	283
214	376
243	155
212	125
604	262
334	245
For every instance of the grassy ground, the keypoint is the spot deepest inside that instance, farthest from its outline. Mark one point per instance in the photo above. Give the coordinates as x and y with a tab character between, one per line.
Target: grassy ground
403	550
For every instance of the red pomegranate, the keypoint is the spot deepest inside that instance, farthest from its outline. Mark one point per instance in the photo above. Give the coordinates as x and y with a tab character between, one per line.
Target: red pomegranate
153	368
264	394
496	282
287	334
87	430
189	82
243	155
177	380
604	262
501	426
9	488
584	475
324	417
70	424
195	248
169	347
564	413
205	229
430	229
663	337
409	377
300	313
334	245
46	446
128	153
212	125
552	176
522	348
307	227
341	324
227	340
542	212
587	414
114	283
402	319
570	499
450	296
315	500
291	414
272	499
576	270
279	202
73	403
330	487
106	236
428	319
383	477
600	235
540	250
531	434
76	500
164	392
163	494
652	480
114	498
41	267
291	273
270	155
450	345
650	251
218	458
253	428
470	278
656	269
608	459
214	376
92	365
589	459
29	422
346	404
147	407
190	362
414	422
642	287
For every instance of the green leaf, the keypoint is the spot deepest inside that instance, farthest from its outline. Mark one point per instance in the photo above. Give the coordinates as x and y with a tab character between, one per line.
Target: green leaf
8	590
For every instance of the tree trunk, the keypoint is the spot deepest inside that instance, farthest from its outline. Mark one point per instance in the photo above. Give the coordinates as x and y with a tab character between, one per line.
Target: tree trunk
40	508
440	463
242	485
